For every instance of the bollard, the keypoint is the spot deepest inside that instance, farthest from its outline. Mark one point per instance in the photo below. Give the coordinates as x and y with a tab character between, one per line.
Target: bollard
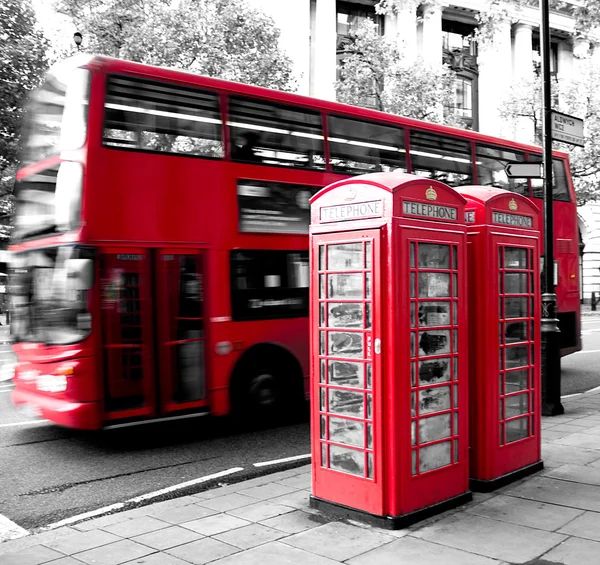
594	302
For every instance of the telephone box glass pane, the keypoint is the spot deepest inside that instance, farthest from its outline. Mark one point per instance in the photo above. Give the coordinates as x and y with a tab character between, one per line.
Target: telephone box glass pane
322	286
412	285
369	376
435	456
515	332
346	460
454	285
346	402
516	405
516	380
412	255
369	436
435	427
455	257
324	455
434	314
368	254
368	285
434	342
321	257
515	307
413	316
368	321
323	374
516	430
414	462
434	285
346	286
515	283
345	256
345	431
434	256
434	371
516	357
322	321
515	258
323	427
346	344
434	399
346	373
345	314
370	465
322	340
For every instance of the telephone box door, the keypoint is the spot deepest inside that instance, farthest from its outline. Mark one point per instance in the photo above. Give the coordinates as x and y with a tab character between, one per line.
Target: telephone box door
346	334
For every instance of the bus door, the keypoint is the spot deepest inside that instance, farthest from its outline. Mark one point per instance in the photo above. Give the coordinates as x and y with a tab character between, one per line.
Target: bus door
127	333
180	329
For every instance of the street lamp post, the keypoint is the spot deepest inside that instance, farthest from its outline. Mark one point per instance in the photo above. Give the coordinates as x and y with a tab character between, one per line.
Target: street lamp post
551	371
77	38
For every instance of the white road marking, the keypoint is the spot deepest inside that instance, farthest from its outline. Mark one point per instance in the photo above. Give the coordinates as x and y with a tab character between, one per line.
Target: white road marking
593	389
27	423
571	395
588	351
10	530
275	461
119	505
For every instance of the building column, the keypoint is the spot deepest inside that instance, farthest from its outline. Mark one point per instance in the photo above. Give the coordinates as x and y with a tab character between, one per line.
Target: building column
565	60
432	34
523	74
323	83
495	80
403	29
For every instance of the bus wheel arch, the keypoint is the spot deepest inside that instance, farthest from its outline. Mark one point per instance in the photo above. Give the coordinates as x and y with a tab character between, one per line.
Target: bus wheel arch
267	382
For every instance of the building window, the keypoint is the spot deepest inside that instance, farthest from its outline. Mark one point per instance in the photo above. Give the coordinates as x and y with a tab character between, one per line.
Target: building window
463	98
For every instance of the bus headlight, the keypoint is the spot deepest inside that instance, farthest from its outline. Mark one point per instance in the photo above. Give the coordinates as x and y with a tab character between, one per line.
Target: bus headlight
52	383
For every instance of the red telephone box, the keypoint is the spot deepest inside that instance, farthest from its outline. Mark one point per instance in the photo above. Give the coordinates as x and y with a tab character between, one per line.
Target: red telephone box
389	349
504	330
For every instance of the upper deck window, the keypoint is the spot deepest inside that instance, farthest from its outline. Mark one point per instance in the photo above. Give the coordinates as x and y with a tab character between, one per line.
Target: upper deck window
147	115
490	168
56	115
363	147
441	158
275	134
560	186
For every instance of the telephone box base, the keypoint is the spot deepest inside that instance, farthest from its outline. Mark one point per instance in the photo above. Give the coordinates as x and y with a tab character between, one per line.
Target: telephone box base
388	522
479	485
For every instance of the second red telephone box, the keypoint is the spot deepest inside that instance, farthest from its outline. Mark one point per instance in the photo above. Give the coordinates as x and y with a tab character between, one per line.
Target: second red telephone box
504	329
389	345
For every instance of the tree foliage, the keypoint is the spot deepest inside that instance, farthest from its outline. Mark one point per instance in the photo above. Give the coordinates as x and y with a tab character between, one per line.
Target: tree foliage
22	65
227	39
374	74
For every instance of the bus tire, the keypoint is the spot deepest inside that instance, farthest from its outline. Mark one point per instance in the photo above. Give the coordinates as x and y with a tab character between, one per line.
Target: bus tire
266	386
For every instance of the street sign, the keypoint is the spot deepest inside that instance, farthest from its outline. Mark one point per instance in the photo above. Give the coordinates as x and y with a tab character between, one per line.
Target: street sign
567	129
523	170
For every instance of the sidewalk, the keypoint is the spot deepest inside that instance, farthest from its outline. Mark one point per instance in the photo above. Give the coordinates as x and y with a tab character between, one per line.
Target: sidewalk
549	518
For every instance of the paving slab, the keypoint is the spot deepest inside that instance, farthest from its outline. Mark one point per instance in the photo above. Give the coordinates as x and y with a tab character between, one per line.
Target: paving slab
184	513
587	525
35	555
412	551
575	551
587	441
82	541
338	541
228	502
271	490
533	514
491	538
136	526
260	511
563	493
276	553
154	559
295	522
297	499
568	454
114	553
250	536
216	524
203	551
576	473
167	537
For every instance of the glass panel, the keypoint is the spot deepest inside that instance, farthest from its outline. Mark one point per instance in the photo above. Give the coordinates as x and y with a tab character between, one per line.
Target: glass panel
323	455
515	307
516	430
516	380
413	315
345	431
454	257
435	456
369	406
321	257
323	401
501	359
369	377
322	321
346	460
515	332
369	436
490	169
515	258
455	396
345	314
344	373
455	312
434	256
413	402
368	322
414	462
433	285
323	427
435	427
322	286
455	430
370	465
344	256
412	255
346	402
433	313
434	342
346	286
323	374
368	254
500	254
455	450
456	367
501	438
368	285
413	433
501	384
322	340
413	374
346	344
515	283
434	371
413	345
516	356
455	340
454	285
434	400
516	405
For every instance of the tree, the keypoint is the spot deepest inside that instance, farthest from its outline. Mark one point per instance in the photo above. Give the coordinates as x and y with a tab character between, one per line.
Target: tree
22	65
374	74
227	39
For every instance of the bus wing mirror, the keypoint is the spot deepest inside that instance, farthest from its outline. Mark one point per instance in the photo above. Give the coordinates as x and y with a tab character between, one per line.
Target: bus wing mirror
81	272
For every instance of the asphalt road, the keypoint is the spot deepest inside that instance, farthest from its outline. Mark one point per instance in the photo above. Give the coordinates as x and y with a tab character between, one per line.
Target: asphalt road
49	473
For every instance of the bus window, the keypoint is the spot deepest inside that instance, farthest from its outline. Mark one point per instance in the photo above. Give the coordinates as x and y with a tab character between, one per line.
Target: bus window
274	134
441	158
358	147
269	284
155	116
490	169
560	187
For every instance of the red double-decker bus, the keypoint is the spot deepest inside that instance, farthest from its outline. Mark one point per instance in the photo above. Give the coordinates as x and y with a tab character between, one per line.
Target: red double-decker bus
160	255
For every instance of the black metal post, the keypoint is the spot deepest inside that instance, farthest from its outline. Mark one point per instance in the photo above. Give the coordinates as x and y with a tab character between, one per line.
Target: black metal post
551	404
